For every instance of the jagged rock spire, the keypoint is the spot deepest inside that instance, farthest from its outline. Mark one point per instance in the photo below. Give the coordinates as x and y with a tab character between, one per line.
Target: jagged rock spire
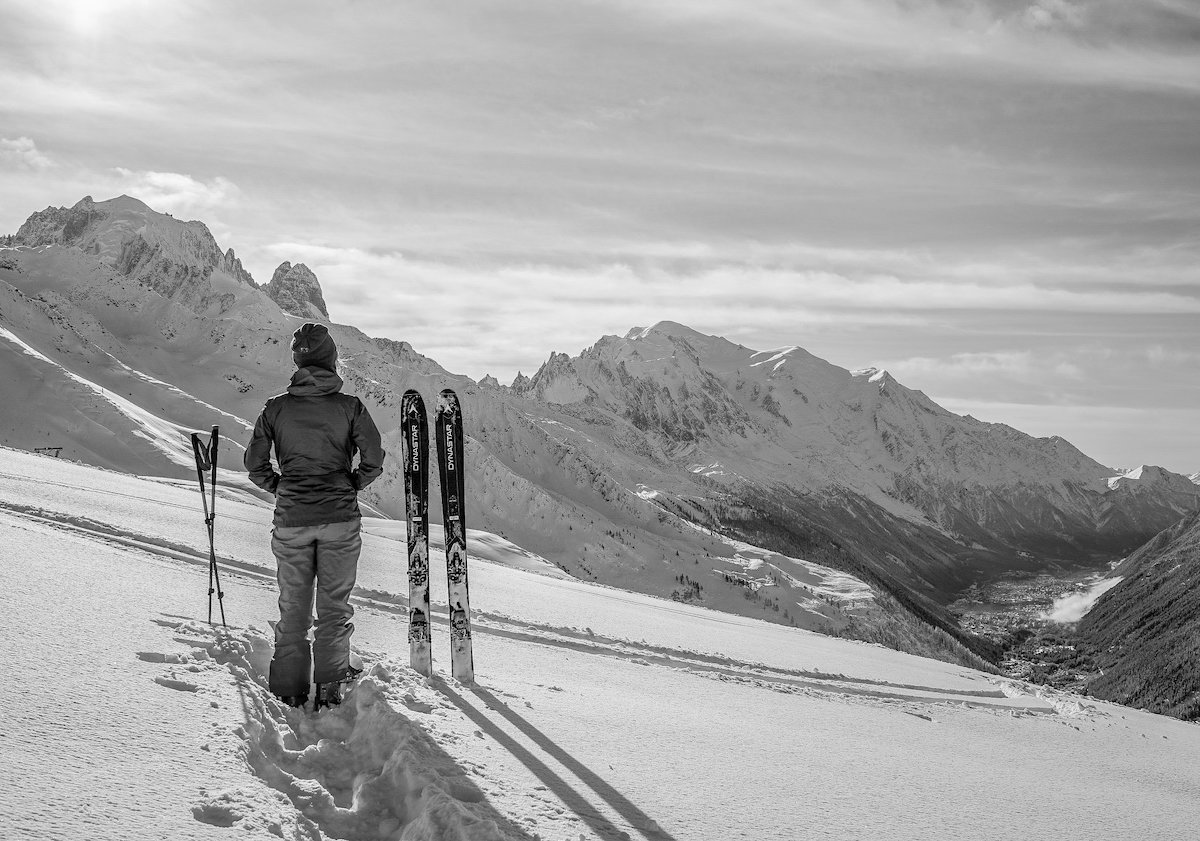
296	289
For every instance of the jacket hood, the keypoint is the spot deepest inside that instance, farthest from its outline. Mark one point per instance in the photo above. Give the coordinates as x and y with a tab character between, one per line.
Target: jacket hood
314	382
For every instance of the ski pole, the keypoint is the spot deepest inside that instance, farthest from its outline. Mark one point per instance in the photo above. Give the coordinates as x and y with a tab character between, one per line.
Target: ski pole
206	461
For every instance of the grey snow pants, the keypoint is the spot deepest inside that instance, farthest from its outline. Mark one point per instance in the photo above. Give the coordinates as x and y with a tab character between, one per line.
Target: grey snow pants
327	556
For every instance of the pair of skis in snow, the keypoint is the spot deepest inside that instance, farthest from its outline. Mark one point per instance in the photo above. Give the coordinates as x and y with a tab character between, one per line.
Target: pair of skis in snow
448	441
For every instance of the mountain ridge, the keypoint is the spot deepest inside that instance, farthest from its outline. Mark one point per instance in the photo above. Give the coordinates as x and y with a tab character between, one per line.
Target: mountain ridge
866	432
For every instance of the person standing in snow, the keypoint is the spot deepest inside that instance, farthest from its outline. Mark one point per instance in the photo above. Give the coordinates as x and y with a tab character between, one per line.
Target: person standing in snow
315	430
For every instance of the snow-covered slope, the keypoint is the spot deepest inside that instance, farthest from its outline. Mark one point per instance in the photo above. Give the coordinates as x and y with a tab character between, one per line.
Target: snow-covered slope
598	713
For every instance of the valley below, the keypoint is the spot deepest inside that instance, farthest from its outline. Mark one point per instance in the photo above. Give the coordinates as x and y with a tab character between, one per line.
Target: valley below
1032	617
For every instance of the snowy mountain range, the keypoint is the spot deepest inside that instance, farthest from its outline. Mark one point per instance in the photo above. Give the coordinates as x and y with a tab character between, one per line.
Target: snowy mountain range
768	483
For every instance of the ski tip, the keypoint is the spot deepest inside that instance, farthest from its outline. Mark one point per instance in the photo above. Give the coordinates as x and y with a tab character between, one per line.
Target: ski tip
412	409
447	400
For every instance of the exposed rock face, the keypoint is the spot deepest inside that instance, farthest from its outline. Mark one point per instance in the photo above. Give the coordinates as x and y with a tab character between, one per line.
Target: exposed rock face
232	266
60	225
296	290
174	258
402	354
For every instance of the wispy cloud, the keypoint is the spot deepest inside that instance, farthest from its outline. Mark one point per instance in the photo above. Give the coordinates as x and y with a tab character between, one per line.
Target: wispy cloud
1022	364
1071	607
1082	41
175	192
23	153
1164	356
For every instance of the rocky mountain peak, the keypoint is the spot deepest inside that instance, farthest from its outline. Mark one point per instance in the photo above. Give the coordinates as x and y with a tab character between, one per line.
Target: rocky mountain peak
674	337
1150	478
875	375
232	266
126	203
296	290
661	379
521	383
668	329
401	353
174	258
557	381
64	226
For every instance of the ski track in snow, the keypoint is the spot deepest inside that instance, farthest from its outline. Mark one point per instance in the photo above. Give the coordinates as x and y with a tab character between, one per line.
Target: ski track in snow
782	680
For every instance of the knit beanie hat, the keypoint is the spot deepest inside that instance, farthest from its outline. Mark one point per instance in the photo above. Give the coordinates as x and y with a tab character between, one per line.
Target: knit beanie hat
313	347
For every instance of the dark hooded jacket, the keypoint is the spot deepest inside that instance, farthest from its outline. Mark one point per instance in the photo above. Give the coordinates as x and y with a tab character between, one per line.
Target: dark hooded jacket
315	430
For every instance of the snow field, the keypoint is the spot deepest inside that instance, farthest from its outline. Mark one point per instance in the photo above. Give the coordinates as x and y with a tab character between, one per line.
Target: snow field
598	714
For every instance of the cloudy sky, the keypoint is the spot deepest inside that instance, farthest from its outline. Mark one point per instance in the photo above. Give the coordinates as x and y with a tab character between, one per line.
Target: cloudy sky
997	200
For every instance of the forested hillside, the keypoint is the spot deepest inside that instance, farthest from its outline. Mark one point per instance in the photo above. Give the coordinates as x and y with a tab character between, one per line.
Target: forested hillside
1146	631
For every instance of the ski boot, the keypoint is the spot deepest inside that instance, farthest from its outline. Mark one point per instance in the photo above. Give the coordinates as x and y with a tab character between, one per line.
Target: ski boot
330	694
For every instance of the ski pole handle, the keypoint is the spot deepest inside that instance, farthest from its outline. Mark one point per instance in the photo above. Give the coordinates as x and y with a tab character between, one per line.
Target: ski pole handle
201	452
206	462
212	447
